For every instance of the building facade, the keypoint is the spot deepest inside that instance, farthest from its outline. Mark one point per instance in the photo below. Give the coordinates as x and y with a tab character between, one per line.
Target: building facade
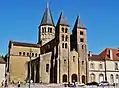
105	66
62	55
2	70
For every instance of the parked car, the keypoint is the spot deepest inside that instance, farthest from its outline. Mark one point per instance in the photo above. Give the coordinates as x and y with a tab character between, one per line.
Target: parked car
104	83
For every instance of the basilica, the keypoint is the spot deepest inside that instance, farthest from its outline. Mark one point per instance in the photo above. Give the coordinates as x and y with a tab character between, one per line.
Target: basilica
59	56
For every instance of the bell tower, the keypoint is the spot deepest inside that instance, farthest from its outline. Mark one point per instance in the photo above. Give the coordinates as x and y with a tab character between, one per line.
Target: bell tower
63	39
80	45
46	28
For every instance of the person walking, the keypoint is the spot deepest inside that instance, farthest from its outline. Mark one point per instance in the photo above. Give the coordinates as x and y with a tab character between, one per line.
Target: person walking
18	83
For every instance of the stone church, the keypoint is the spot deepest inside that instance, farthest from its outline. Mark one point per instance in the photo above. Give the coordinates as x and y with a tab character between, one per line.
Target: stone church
58	57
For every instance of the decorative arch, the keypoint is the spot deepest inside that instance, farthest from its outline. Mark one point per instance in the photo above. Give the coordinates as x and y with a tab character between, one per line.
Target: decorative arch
92	76
83	79
111	78
64	78
101	77
74	77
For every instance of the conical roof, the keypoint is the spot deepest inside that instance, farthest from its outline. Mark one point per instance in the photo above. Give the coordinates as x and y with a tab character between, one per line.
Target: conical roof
62	20
78	23
47	18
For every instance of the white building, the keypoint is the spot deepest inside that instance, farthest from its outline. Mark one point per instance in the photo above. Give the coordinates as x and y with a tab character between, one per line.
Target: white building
2	70
104	66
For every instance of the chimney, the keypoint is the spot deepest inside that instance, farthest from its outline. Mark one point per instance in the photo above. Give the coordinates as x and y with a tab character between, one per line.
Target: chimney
111	54
90	54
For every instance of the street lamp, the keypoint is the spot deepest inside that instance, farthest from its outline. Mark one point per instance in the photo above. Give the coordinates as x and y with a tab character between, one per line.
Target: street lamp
30	68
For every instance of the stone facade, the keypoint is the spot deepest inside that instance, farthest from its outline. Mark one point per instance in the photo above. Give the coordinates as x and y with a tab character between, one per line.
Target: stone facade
62	55
18	58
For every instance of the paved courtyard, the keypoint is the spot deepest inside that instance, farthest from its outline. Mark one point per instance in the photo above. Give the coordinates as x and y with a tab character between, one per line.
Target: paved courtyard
56	86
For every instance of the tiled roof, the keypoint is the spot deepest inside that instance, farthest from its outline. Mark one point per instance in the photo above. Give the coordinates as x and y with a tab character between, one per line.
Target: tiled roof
79	23
2	61
24	44
62	20
95	57
47	18
105	55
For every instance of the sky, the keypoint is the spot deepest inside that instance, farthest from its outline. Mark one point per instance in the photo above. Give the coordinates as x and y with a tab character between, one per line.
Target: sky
19	20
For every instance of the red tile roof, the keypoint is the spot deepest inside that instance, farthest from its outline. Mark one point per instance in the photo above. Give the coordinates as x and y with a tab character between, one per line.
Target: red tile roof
105	55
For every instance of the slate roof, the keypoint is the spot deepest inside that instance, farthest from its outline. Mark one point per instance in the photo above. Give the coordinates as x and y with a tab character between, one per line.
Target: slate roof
2	61
24	44
47	18
79	23
62	20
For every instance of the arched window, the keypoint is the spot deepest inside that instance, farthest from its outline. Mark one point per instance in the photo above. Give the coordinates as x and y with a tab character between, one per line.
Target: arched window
111	78
92	76
64	78
47	67
43	30
101	78
83	79
62	45
117	76
23	53
64	61
19	53
65	45
62	37
82	47
27	54
66	38
74	77
32	54
50	30
73	58
62	29
66	30
36	55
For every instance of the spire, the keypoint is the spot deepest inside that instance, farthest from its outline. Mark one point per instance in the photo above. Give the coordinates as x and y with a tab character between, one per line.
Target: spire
62	20
47	17
78	23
